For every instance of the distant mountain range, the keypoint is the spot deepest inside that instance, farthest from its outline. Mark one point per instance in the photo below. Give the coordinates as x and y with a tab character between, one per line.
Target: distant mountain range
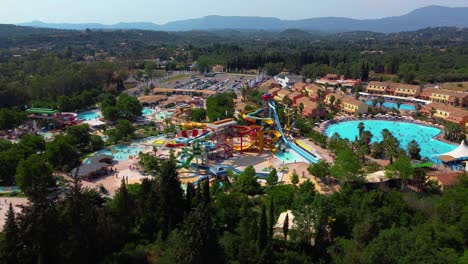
431	16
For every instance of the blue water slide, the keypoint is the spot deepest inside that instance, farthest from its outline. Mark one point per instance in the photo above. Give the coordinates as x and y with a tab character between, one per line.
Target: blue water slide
304	154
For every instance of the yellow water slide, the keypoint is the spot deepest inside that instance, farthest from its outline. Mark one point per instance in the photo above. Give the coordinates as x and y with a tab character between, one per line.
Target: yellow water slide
191	125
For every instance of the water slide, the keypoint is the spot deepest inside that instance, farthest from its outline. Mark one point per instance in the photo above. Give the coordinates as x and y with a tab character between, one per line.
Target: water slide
187	162
304	154
252	117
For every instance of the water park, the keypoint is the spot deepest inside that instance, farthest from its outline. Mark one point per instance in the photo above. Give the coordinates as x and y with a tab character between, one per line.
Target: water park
212	149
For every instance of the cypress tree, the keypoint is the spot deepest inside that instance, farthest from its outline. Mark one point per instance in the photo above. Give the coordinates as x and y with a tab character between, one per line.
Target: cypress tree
206	191
286	226
9	250
272	217
262	231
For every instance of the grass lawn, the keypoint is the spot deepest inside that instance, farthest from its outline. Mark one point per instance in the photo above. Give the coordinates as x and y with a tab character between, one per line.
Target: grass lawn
175	78
456	86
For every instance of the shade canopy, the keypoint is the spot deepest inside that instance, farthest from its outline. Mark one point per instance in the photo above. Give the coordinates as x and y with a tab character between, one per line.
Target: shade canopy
458	153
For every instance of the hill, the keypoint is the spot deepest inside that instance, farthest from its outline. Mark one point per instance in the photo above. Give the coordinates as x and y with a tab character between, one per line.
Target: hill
431	16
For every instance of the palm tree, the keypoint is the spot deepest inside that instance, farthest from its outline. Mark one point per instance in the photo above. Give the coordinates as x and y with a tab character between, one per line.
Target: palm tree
338	103
414	150
244	93
433	111
399	103
301	108
361	128
381	101
457	101
287	101
366	137
375	102
332	101
320	94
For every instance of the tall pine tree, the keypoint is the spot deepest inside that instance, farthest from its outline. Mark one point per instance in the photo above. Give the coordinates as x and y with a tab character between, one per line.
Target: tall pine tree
10	243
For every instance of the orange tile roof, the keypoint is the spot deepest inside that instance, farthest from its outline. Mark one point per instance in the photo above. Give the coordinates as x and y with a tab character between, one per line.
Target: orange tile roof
447	108
306	102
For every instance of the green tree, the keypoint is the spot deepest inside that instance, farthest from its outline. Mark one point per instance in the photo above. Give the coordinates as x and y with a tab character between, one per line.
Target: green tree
246	182
286	227
198	115
272	177
273	69
391	145
129	106
414	150
11	240
361	128
347	166
262	231
196	241
320	169
79	135
399	103
294	178
60	153
403	168
220	106
34	177
123	130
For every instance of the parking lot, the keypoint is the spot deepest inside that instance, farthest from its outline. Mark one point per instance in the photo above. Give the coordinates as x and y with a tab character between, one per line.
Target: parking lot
219	82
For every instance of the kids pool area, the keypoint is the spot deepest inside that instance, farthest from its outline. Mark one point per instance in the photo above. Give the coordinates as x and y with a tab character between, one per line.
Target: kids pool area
89	115
390	105
147	111
289	156
120	152
404	132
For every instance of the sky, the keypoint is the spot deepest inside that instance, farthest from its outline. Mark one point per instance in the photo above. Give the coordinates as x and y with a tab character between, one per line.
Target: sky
163	11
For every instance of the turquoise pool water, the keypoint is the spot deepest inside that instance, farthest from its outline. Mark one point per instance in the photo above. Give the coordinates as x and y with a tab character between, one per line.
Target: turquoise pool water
147	111
289	156
120	152
164	114
7	189
390	105
404	132
90	115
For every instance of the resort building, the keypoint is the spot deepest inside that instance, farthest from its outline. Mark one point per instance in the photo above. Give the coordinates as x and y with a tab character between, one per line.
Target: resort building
447	113
352	106
338	80
274	91
288	80
281	94
406	90
313	91
278	229
445	96
311	109
294	96
378	87
299	87
328	98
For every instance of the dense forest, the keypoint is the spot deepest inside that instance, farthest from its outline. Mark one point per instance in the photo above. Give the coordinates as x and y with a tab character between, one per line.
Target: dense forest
42	64
157	222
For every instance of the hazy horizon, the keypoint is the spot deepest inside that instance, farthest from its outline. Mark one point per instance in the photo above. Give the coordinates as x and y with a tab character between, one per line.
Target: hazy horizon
110	12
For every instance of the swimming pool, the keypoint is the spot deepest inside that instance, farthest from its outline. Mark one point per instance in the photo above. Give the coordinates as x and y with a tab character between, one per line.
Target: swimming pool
147	111
404	132
120	152
9	189
289	156
164	114
89	115
390	105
